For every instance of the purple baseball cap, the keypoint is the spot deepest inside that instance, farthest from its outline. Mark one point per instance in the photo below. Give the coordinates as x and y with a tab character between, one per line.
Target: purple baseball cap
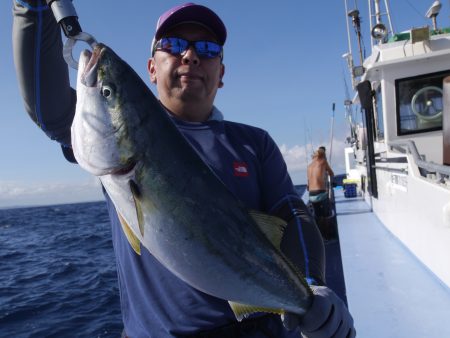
190	12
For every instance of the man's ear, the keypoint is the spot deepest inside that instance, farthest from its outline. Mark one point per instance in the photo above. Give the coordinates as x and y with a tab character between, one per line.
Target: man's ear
222	73
151	70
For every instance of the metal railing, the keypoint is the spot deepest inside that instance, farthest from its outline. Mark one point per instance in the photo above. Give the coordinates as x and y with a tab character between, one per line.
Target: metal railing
425	167
393	170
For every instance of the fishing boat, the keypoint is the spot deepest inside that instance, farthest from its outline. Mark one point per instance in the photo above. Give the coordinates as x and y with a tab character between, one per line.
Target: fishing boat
394	228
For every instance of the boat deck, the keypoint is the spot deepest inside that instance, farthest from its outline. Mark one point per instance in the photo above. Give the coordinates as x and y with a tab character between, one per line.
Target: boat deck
389	292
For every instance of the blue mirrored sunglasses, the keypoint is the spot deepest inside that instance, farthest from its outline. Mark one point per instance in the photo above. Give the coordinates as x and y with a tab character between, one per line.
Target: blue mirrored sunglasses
178	46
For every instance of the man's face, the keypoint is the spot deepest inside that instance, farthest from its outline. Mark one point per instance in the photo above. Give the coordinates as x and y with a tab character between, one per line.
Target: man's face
186	79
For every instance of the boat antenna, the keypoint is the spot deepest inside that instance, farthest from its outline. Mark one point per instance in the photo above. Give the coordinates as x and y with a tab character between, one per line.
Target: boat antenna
433	12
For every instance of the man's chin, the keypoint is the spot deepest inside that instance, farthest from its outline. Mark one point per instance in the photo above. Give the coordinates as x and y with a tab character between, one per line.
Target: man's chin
192	92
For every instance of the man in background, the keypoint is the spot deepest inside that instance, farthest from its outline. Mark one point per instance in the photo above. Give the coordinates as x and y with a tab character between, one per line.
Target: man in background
318	172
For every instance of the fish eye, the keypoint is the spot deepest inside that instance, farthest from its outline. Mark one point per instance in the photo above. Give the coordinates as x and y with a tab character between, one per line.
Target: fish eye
107	91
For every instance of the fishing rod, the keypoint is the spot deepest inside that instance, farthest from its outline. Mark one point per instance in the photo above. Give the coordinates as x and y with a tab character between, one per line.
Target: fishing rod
332	132
306	143
330	183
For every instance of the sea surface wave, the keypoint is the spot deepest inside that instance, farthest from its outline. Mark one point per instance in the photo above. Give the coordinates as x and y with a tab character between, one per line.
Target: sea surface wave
57	272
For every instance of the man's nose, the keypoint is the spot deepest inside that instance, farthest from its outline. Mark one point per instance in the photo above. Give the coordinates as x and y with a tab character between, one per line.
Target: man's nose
190	56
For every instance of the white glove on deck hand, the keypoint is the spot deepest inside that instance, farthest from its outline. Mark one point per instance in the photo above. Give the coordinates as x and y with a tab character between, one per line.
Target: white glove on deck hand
328	317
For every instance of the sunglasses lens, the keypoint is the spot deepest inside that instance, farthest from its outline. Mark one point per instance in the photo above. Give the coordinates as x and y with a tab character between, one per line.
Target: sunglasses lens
173	45
208	49
177	46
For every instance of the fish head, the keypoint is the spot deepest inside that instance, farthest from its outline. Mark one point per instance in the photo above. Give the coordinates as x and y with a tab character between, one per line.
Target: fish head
106	116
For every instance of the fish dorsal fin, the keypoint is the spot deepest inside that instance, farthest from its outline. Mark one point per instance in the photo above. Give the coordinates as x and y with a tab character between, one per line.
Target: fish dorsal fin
242	311
135	191
273	227
132	239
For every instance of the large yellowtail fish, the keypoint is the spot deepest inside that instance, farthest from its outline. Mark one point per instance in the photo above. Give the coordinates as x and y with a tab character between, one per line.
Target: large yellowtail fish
170	201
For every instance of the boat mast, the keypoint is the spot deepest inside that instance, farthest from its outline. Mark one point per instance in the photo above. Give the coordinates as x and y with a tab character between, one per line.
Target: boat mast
354	14
348	29
388	14
355	71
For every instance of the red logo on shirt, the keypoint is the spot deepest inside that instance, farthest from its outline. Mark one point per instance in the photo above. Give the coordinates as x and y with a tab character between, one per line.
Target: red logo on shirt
240	169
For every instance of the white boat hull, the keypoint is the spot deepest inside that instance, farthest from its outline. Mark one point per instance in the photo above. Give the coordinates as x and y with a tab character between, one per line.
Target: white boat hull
414	209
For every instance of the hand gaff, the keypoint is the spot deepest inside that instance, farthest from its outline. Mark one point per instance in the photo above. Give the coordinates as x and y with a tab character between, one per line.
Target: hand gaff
67	17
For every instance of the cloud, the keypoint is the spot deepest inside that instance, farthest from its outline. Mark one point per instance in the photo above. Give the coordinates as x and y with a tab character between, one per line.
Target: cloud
297	158
294	157
25	194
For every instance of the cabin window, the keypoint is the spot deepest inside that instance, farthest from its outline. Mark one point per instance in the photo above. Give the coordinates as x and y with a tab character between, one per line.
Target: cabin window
419	103
379	114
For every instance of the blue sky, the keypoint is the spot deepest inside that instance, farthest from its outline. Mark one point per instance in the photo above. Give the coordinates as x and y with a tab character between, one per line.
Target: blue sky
284	71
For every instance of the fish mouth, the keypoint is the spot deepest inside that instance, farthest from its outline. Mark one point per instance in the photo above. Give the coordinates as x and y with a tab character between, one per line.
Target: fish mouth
89	65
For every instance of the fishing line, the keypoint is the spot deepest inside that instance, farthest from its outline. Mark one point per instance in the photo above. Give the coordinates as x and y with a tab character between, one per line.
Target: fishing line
416	10
301	239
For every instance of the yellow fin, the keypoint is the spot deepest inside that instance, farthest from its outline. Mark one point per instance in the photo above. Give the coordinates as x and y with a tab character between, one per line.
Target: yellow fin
137	204
132	239
242	311
273	227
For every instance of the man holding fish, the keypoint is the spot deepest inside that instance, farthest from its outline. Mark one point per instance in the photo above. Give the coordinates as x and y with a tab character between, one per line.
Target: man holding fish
210	237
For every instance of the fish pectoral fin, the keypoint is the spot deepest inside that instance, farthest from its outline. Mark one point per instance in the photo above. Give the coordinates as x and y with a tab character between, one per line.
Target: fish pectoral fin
135	191
242	311
132	239
273	227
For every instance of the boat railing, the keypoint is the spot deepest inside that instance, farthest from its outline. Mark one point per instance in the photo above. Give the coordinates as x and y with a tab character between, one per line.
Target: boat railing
442	172
393	170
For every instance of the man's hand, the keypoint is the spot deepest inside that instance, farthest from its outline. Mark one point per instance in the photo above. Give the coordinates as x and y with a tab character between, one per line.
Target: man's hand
328	317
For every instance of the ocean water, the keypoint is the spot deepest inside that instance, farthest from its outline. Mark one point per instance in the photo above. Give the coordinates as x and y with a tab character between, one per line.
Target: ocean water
57	272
